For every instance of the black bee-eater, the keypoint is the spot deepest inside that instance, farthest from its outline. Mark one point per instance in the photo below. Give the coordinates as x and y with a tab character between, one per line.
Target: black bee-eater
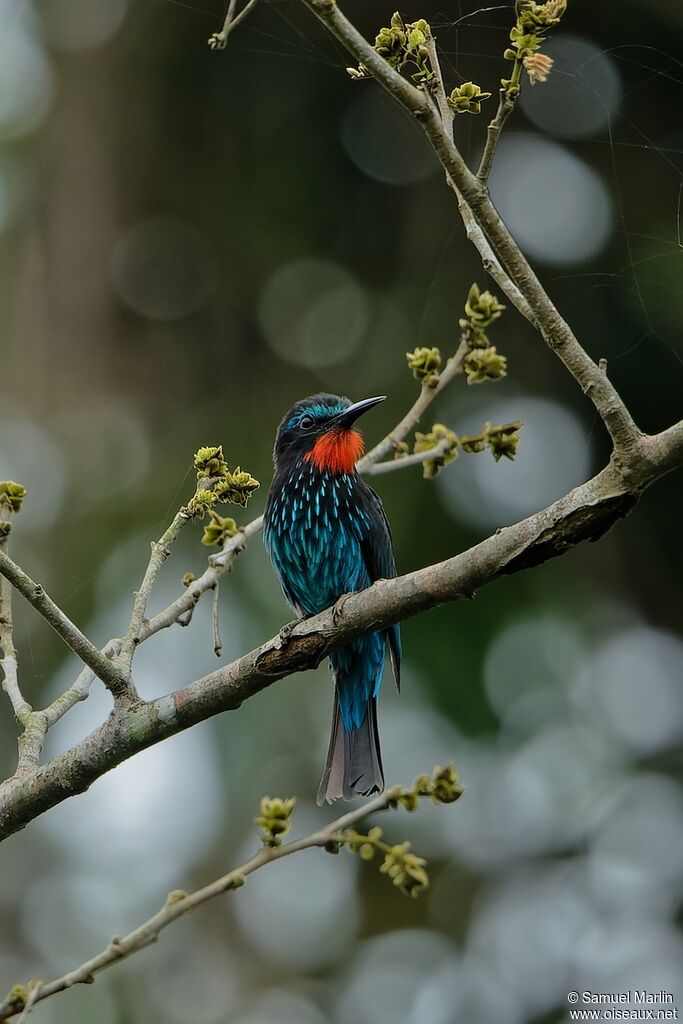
327	534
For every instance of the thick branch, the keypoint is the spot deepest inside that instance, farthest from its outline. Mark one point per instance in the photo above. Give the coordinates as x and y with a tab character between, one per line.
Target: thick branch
178	904
103	668
555	331
583	514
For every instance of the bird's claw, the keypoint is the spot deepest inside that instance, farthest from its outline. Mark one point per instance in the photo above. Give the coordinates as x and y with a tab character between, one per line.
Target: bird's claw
284	634
338	609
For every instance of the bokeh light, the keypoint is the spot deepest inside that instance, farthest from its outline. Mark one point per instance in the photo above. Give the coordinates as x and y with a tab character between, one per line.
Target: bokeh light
26	82
313	313
382	142
73	25
531	175
581	95
161	268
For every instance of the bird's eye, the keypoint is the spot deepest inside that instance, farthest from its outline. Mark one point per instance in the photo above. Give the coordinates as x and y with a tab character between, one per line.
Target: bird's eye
306	422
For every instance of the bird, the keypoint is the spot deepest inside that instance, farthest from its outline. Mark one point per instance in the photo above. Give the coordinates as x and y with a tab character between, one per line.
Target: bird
327	535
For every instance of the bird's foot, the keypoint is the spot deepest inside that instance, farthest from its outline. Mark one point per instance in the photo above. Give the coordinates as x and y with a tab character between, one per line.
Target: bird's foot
286	631
338	609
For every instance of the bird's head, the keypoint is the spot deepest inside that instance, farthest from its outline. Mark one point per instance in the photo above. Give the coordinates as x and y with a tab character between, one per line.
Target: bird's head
320	429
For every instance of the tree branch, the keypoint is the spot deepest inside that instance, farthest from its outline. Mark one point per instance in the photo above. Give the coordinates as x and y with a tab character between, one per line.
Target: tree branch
179	903
428	393
104	669
506	105
406	461
32	736
161	549
583	514
554	329
219	40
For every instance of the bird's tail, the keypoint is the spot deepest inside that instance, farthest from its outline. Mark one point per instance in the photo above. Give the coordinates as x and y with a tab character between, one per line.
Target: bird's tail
354	762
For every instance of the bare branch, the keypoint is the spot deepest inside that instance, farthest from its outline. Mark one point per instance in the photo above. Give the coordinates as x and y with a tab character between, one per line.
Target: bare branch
161	549
506	105
8	662
583	514
215	624
34	593
218	566
179	903
79	689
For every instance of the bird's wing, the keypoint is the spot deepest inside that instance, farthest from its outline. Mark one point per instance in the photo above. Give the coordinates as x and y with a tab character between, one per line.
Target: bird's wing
378	552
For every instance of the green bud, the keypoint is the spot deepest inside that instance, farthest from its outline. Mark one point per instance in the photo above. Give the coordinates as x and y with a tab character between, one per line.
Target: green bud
176	896
483	364
199	505
219	529
188	578
438	435
446	788
409	800
467	98
5	529
422	785
237	487
482	308
424	362
12	495
275	819
17	995
209	461
524	42
540	16
405	869
473	444
367	851
503	440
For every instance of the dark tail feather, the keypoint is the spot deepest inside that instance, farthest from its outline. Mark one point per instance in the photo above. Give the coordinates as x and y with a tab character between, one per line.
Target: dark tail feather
354	762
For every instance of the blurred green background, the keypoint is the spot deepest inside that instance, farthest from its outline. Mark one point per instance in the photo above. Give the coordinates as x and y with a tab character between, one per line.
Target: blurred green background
191	241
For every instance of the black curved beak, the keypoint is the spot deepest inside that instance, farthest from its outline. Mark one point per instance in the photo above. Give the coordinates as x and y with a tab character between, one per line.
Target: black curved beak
350	415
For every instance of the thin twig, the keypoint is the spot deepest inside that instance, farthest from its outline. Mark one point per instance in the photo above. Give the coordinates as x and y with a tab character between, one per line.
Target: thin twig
506	105
406	461
179	903
218	566
161	549
8	662
219	40
32	724
428	393
475	235
79	689
215	625
447	112
104	669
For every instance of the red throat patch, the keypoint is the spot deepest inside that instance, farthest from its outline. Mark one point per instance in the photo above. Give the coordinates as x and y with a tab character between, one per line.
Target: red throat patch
337	451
